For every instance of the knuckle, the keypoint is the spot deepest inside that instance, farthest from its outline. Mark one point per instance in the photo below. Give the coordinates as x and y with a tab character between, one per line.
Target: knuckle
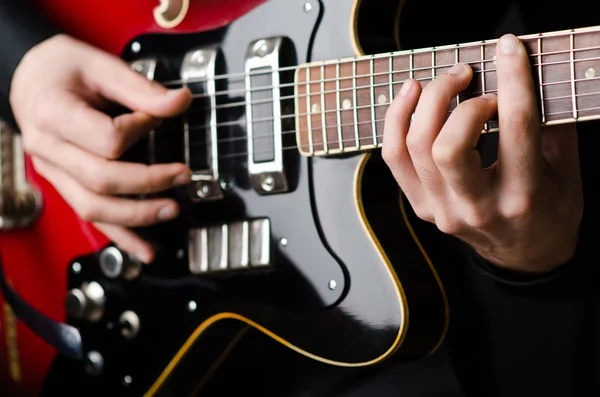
445	155
392	155
518	208
88	211
415	144
447	224
113	144
100	183
43	114
477	218
422	212
31	141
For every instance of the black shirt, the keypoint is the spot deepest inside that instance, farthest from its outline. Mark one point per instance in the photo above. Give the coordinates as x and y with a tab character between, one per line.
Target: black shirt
511	334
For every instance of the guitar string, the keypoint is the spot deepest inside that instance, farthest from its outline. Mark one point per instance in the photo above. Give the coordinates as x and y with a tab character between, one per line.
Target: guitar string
378	74
353	139
359	107
368	86
375	105
527	39
320	127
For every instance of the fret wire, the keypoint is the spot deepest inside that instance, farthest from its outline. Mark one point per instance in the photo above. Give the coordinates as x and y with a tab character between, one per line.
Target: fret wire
373	123
355	98
323	117
338	113
485	126
397	71
391	66
309	112
456	60
597	93
541	78
411	65
572	43
433	64
578	31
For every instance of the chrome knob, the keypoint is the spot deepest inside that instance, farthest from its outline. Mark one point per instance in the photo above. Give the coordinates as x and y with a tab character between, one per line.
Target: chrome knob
130	324
115	263
86	302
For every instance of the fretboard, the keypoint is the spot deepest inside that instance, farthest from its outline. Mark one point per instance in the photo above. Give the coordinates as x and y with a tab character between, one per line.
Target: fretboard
341	104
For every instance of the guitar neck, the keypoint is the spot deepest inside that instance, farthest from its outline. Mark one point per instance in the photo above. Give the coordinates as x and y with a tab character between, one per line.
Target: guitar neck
341	104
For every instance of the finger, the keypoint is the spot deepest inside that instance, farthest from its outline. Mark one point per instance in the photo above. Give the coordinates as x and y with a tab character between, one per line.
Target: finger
519	145
127	241
455	150
112	177
115	80
430	115
97	132
394	150
93	207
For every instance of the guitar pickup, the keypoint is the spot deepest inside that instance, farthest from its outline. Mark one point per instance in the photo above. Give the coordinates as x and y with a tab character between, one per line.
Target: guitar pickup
201	149
230	246
263	112
149	68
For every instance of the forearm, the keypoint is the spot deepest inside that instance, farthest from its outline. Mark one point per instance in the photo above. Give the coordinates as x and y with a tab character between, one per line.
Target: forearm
21	28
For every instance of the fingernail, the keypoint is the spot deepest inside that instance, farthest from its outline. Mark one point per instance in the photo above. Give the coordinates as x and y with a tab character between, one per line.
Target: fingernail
457	69
175	92
508	44
167	212
144	257
406	87
181	179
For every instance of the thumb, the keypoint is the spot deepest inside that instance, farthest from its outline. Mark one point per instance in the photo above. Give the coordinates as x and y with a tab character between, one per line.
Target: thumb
114	80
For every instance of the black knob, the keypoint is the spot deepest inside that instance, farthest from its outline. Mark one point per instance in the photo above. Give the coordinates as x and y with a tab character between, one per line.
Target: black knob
115	263
86	302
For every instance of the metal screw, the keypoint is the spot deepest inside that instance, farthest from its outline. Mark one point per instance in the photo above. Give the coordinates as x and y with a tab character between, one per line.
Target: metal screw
261	48
76	267
192	306
267	183
94	363
283	242
203	190
224	184
307	6
127	380
136	47
180	253
332	285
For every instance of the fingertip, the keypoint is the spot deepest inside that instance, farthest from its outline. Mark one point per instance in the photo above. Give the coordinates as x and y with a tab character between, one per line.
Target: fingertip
167	211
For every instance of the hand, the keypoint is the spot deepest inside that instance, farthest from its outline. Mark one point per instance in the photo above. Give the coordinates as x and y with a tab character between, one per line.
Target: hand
57	93
522	213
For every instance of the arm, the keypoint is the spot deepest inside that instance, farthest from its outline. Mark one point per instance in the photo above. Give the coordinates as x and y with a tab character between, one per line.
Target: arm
21	28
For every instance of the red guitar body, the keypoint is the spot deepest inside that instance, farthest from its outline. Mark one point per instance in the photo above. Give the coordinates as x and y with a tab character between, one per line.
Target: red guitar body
36	258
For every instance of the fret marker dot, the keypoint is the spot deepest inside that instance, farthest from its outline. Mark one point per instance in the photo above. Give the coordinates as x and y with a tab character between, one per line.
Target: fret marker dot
590	73
346	104
382	99
316	108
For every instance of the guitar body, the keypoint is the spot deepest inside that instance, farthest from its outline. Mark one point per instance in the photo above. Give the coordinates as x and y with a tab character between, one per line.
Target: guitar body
345	279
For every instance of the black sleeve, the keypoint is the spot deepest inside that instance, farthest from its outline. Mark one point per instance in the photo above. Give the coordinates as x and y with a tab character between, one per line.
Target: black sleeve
21	28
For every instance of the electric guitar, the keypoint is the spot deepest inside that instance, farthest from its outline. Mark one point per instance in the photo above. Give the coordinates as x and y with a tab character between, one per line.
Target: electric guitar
286	226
